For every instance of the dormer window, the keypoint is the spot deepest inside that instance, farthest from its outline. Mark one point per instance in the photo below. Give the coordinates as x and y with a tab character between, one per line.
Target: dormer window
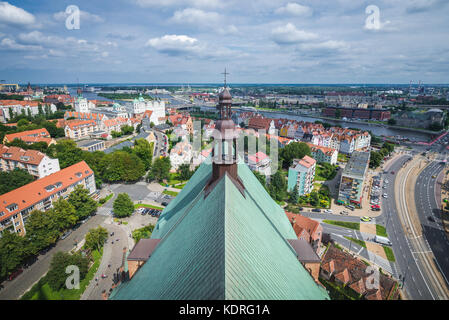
12	207
7	155
49	188
25	158
58	184
79	174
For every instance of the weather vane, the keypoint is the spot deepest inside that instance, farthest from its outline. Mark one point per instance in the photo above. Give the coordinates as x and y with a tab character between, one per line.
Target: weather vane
225	73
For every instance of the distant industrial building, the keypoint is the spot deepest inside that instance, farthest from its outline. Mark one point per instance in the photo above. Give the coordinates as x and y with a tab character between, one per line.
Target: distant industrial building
357	113
352	178
420	119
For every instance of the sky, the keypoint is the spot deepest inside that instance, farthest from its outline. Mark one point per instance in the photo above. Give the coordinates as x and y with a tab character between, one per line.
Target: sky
192	41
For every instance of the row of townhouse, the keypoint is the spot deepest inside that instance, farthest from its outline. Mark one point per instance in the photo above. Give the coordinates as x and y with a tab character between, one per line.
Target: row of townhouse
31	136
21	107
80	129
323	154
16	205
36	163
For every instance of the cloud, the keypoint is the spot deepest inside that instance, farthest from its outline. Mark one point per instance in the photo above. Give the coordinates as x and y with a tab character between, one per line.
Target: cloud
325	45
174	44
294	9
84	16
10	14
289	34
11	44
177	3
196	16
119	36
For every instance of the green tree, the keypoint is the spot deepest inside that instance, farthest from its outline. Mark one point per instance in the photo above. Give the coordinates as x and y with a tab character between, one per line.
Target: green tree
375	159
121	166
56	276
64	214
10	180
391	121
126	129
160	170
184	172
82	202
144	150
123	206
42	230
278	186
294	194
261	178
294	150
95	238
67	153
13	250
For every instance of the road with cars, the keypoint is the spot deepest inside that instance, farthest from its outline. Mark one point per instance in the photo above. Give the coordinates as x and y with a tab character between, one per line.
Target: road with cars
429	213
12	290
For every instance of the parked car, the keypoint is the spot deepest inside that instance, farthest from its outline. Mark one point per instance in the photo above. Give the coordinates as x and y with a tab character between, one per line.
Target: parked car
15	274
66	234
316	210
344	212
351	207
328	211
365	219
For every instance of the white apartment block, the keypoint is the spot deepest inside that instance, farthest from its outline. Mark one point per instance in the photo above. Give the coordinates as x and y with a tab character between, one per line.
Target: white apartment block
36	163
16	205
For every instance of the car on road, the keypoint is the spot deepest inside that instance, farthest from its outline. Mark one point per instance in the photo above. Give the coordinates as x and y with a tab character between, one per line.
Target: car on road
365	219
431	219
433	177
15	274
392	172
316	210
328	211
111	234
375	206
66	234
375	209
385	196
344	212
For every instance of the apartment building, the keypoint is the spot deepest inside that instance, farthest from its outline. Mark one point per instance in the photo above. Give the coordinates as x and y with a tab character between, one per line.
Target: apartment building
36	163
260	162
78	129
323	154
352	179
31	136
9	108
16	205
302	173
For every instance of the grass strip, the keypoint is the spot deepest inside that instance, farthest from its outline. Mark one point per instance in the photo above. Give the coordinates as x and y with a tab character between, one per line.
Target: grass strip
357	241
381	231
389	253
349	225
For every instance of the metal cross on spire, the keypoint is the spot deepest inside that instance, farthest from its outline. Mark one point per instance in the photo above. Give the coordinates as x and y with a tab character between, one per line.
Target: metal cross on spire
225	74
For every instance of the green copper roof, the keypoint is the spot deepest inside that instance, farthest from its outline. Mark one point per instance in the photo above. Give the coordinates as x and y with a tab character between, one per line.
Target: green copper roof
224	246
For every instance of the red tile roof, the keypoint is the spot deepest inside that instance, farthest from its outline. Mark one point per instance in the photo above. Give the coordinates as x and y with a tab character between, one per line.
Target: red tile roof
30	133
35	192
20	155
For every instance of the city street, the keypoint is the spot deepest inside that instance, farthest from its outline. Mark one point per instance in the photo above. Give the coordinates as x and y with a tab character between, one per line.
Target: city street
13	290
430	215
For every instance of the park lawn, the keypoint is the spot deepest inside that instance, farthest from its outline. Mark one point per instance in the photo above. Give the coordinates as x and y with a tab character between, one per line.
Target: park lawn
357	241
170	193
42	291
381	231
349	225
390	254
140	205
105	199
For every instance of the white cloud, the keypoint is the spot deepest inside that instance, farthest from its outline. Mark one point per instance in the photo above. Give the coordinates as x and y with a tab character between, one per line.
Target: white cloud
295	9
289	34
325	45
105	54
196	16
10	14
175	44
8	43
177	3
84	17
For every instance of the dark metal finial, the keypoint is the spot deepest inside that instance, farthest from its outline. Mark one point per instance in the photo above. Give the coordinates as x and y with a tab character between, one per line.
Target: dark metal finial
225	73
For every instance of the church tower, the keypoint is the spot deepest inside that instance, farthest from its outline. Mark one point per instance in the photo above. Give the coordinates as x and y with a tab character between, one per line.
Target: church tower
224	151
